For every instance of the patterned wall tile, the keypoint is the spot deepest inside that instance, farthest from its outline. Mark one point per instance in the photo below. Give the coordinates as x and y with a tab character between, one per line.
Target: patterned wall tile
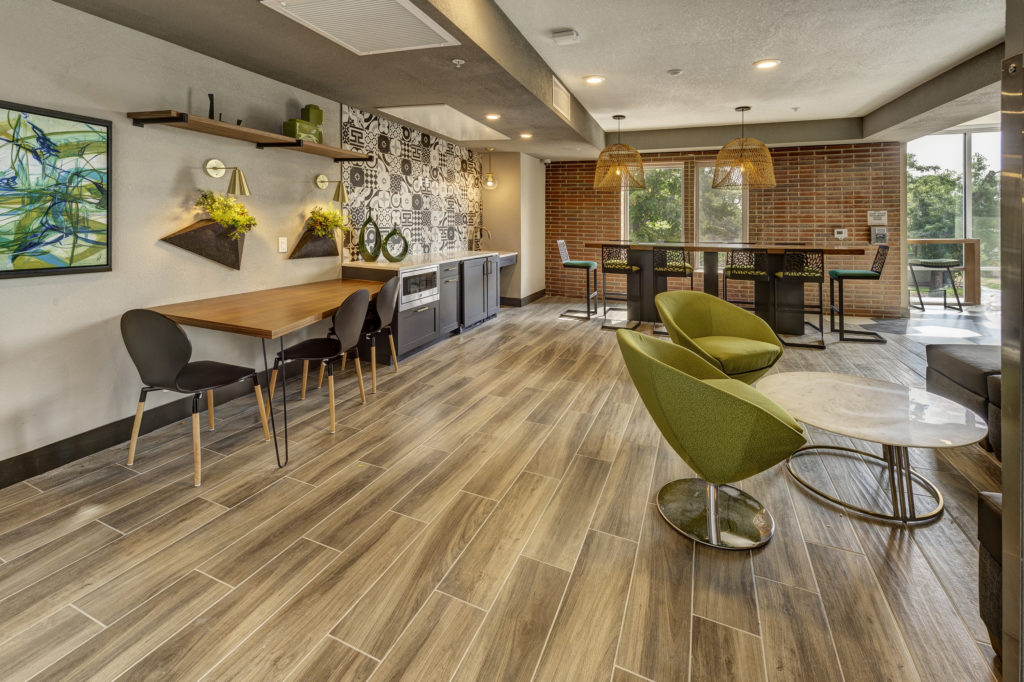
427	186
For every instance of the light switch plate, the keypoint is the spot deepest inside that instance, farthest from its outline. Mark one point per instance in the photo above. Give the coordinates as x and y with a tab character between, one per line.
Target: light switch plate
839	234
282	244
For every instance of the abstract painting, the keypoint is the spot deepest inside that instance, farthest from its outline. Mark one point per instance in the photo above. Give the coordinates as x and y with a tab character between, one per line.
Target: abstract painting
54	192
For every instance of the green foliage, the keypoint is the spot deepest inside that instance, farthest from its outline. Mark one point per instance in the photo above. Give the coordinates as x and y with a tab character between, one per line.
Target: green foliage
656	213
226	211
322	222
720	217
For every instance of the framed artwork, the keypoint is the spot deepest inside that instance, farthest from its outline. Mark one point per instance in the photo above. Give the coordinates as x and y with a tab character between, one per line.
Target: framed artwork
54	192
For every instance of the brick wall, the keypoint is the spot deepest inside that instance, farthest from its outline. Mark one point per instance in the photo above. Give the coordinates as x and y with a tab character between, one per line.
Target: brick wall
819	189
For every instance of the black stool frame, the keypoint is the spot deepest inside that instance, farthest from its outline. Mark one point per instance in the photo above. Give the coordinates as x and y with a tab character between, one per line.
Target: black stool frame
615	254
755	261
917	287
804	266
869	337
669	262
563	252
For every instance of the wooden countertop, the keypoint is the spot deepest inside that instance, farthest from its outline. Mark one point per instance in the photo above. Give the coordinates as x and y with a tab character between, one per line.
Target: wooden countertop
270	313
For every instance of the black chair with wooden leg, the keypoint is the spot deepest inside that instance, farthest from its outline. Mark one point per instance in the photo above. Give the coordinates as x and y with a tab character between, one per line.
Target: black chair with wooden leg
347	325
379	324
161	352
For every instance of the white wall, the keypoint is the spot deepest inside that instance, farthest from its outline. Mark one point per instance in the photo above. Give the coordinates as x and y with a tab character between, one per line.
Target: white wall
63	367
531	256
514	214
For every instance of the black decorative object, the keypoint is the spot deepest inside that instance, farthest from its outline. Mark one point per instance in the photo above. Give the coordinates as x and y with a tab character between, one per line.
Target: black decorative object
210	239
369	253
211	106
386	242
312	246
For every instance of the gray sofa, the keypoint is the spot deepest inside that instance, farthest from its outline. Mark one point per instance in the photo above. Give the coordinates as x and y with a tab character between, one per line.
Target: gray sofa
971	375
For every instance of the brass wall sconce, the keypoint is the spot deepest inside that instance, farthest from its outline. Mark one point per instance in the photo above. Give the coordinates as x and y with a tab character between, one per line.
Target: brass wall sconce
215	168
340	195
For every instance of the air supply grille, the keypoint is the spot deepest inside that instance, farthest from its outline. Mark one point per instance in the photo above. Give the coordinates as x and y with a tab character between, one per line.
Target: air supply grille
367	26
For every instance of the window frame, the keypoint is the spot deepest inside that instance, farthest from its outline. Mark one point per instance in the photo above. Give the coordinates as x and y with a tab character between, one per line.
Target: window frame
744	205
624	204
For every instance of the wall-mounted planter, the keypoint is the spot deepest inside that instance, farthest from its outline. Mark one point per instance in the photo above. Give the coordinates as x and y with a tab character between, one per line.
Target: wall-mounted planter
312	246
209	239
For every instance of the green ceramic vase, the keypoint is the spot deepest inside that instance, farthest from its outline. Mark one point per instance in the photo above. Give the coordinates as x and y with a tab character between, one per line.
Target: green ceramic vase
395	257
369	254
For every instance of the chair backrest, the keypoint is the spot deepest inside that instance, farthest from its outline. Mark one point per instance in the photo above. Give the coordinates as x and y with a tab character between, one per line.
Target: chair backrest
387	302
880	256
803	264
159	348
349	317
670	259
614	256
563	251
747	259
723	429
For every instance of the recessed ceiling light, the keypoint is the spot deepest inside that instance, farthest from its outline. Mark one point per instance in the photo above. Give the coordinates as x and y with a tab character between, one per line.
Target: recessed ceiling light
492	117
594	80
767	63
526	136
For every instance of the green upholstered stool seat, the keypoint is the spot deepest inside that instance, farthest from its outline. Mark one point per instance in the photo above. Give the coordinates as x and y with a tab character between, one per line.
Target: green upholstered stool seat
619	265
801	274
733	340
853	274
724	429
738	271
738	355
676	268
935	262
588	264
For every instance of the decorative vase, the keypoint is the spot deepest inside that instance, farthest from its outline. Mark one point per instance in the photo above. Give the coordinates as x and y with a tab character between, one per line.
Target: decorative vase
210	239
386	242
312	246
369	254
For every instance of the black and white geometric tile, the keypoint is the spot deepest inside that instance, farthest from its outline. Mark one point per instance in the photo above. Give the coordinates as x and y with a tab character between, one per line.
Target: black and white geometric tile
428	187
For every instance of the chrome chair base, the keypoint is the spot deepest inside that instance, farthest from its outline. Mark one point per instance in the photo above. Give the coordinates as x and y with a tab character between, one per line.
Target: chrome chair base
737	520
901	478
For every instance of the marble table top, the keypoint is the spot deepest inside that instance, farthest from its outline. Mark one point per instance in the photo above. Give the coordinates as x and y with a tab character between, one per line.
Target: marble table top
873	410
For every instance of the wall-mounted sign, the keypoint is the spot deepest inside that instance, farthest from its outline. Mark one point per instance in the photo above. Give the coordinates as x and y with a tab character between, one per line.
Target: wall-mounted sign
879	235
878	217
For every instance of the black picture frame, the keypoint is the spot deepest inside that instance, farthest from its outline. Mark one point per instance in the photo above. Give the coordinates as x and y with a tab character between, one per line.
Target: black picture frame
107	194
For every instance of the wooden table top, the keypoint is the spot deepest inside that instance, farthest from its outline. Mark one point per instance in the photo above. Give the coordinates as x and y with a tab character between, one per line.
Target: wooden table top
270	313
729	246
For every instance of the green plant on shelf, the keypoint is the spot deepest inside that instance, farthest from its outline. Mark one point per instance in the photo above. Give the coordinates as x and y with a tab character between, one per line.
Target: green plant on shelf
226	211
322	222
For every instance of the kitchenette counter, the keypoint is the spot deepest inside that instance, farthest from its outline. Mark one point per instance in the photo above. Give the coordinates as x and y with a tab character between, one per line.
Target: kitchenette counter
417	260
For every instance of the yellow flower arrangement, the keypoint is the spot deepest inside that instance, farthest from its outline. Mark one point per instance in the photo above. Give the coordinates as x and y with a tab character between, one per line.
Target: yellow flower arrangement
226	211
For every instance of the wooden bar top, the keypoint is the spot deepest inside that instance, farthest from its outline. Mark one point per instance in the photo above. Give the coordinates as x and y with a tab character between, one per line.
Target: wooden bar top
777	247
270	313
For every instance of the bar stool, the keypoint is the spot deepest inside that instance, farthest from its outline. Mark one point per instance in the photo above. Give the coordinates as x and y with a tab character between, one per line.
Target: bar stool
615	261
590	267
746	265
946	264
803	266
842	275
669	262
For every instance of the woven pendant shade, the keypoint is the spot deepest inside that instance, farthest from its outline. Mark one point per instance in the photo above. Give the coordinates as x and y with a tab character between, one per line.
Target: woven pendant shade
743	162
619	167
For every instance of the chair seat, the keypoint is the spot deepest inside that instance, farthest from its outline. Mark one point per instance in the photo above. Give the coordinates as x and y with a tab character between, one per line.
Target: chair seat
736	271
853	274
802	274
935	262
675	268
314	349
588	264
204	375
738	355
613	264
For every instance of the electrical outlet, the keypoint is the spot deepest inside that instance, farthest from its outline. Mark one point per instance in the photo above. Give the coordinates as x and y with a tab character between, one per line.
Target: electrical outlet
282	244
839	234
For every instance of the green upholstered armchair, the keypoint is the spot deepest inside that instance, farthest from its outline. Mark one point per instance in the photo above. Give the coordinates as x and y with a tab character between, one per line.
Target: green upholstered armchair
733	340
724	429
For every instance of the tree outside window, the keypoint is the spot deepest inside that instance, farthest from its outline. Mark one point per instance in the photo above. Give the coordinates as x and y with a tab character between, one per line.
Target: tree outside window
656	213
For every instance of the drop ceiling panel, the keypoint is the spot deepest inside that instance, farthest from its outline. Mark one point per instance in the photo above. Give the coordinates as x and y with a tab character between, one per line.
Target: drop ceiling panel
445	120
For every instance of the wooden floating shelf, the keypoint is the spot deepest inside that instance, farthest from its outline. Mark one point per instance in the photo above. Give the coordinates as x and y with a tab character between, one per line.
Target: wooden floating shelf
260	138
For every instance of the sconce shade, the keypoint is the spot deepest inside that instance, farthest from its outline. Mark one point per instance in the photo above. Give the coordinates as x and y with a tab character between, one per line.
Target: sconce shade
238	185
619	167
744	162
340	195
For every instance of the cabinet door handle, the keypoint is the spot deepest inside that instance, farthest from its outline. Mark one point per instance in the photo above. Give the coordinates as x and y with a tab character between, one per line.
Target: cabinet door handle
453	279
420	310
448	269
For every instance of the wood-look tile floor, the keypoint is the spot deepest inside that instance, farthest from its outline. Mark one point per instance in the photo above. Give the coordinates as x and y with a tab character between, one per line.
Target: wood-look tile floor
486	516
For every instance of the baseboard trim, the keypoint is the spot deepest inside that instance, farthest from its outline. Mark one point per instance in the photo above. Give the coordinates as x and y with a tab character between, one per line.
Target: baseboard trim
526	300
28	464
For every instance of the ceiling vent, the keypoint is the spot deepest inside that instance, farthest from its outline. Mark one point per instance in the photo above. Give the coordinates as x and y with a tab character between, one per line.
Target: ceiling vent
367	26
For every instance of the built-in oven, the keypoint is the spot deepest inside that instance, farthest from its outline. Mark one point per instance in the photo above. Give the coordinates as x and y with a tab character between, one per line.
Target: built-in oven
418	286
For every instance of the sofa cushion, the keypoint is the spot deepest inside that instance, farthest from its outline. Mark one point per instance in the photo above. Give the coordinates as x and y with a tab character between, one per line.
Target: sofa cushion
738	355
995	389
990	523
967	364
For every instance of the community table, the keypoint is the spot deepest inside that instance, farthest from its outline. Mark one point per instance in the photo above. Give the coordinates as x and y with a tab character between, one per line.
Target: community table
269	314
790	295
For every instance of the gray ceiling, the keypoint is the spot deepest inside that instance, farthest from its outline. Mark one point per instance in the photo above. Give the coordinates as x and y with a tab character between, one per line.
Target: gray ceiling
841	60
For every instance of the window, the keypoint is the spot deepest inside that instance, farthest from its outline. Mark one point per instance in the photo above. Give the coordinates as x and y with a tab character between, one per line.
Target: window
656	213
720	215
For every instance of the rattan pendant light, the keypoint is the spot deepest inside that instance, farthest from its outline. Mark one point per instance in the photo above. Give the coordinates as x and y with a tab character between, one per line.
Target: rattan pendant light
743	162
619	166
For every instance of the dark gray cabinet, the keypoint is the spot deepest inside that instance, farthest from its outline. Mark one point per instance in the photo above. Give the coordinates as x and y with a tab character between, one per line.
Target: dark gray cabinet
492	285
448	303
417	326
474	296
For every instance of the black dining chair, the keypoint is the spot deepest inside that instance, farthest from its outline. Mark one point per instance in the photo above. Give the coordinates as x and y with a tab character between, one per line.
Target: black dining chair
379	323
161	352
615	261
748	265
669	262
344	336
802	266
840	276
